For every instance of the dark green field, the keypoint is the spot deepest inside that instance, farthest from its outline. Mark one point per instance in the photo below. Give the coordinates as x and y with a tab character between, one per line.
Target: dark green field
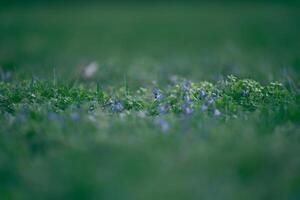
186	101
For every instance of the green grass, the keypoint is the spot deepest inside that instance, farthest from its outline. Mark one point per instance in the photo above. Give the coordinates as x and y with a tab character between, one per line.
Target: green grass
133	132
63	141
145	43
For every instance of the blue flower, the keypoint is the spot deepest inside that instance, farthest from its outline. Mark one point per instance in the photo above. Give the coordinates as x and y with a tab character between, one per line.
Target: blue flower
210	100
163	124
158	96
187	99
187	109
117	106
217	112
203	108
162	109
75	116
202	93
186	85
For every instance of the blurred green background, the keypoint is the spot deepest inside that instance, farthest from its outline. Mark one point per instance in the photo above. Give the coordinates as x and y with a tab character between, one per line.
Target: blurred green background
151	41
255	156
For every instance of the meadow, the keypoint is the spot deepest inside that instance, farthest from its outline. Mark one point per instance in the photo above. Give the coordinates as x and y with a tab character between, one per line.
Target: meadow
150	101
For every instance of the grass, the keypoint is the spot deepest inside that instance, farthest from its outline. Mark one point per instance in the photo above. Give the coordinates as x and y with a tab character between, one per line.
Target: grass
118	134
146	43
70	141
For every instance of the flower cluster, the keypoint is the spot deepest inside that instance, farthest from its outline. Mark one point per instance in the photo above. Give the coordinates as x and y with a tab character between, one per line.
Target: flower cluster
116	107
157	94
185	99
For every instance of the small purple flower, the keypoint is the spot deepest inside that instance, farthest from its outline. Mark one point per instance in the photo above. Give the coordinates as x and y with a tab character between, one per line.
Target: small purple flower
187	109
203	108
158	96
75	116
186	85
217	112
117	106
210	100
202	93
162	109
187	99
163	124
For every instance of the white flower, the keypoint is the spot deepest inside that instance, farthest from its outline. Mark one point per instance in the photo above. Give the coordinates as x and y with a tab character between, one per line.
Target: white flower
90	70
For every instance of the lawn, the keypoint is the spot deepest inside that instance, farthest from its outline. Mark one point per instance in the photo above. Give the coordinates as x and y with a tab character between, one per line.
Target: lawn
150	101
